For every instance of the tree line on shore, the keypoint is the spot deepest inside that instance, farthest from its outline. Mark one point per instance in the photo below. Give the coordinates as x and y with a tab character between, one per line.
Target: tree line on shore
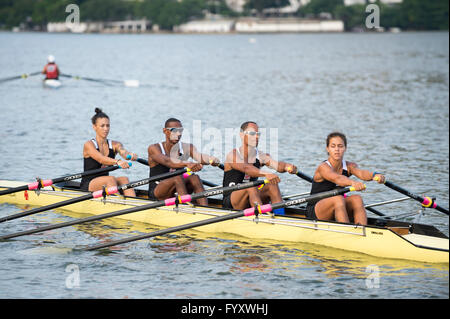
35	14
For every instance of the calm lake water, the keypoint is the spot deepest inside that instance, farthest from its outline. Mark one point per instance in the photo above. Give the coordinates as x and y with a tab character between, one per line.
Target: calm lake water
388	92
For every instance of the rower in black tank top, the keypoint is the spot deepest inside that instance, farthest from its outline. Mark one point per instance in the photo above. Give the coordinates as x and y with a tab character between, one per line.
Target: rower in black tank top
234	177
89	164
161	169
319	187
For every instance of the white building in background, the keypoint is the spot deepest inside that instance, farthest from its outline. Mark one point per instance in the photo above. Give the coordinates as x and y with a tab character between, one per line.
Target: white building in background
206	26
352	2
129	26
254	25
238	6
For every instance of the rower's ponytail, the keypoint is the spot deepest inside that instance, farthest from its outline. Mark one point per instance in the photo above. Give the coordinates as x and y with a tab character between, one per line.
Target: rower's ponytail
98	114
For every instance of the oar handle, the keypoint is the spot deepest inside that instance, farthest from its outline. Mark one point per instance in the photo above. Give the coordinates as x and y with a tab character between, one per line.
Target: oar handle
425	201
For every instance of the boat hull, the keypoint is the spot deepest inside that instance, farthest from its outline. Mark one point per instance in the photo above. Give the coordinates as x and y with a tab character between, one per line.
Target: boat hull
372	240
52	84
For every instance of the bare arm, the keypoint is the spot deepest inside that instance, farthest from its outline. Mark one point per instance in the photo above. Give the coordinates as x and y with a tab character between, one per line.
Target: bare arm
155	155
202	158
279	166
234	161
89	150
118	148
363	174
325	172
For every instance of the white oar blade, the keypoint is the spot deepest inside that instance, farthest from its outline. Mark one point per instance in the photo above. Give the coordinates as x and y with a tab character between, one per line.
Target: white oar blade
131	83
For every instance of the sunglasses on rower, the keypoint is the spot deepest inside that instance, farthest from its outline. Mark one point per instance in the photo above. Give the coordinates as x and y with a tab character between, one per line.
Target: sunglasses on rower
175	129
252	133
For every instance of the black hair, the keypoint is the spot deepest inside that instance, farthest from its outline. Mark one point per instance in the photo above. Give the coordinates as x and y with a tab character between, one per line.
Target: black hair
245	125
336	134
172	119
98	114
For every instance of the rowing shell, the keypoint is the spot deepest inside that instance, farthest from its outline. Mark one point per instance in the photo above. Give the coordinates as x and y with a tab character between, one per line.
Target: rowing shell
51	83
381	238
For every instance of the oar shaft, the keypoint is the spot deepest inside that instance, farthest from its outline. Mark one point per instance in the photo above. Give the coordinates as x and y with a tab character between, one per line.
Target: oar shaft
96	194
49	182
304	176
167	231
167	202
44	208
426	202
247	212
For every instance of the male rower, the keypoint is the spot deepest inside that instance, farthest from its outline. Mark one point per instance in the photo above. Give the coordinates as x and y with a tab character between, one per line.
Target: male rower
51	70
243	165
172	154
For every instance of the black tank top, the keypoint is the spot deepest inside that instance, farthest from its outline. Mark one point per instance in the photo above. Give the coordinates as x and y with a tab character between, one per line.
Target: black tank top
234	177
161	169
324	186
90	164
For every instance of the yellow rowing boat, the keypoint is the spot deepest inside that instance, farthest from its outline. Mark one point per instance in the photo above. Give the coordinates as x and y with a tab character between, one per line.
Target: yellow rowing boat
381	238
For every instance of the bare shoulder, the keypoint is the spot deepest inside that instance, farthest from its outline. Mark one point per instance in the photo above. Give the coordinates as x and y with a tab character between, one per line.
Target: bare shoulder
89	144
154	148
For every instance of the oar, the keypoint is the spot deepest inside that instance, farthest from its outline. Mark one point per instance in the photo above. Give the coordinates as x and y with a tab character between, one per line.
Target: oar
128	83
247	212
22	76
167	202
97	194
425	201
308	178
48	182
207	183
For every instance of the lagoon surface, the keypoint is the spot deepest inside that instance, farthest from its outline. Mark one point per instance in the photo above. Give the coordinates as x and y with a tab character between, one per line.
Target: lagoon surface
388	92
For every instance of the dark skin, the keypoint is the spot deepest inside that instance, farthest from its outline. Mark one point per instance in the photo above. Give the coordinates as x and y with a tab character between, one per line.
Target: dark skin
245	198
183	186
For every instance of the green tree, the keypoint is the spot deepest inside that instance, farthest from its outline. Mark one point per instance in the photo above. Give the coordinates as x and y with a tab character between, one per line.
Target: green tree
425	15
315	7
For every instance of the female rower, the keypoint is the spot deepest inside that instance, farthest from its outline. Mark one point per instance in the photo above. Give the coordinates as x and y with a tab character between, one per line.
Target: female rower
336	172
99	152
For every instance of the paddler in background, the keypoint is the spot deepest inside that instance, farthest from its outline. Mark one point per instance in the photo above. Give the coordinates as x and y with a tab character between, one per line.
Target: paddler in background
172	154
99	152
333	173
51	70
243	165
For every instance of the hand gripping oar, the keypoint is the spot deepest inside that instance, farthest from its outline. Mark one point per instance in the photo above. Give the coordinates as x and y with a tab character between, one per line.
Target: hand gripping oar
310	179
97	194
167	202
425	201
48	182
22	76
247	212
